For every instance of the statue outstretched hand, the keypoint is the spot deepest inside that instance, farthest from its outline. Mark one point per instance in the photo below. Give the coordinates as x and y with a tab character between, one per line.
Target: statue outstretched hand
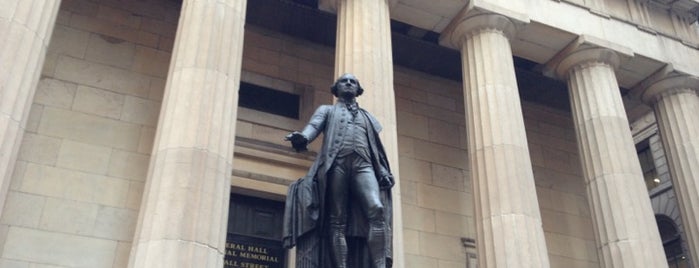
298	141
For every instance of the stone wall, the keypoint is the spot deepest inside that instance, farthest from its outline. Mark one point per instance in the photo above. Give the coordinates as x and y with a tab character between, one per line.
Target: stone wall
77	185
76	192
560	187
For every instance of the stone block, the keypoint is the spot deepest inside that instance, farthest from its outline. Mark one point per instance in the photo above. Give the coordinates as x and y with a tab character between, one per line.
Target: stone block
127	165
445	200
406	147
443	102
89	129
5	263
557	160
122	254
161	27
418	261
141	111
41	180
412	125
145	141
34	118
119	16
536	154
454	224
102	76
151	61
411	241
55	93
39	149
419	219
68	41
166	43
84	157
22	209
111	191
256	66
100	102
63	17
69	216
18	174
50	62
448	177
115	223
441	154
157	89
452	264
133	198
79	7
561	261
260	39
442	247
58	248
109	50
100	26
73	185
408	191
415	170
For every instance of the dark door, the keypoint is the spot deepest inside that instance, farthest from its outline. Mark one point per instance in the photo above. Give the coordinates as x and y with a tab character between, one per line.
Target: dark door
254	233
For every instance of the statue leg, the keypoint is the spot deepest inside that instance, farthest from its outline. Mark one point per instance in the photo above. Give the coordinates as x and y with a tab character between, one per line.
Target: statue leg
336	200
366	190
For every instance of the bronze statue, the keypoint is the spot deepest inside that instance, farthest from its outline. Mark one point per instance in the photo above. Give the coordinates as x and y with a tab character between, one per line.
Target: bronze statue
339	214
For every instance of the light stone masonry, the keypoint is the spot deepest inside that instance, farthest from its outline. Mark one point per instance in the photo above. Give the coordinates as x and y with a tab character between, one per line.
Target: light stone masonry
183	216
623	218
26	28
508	221
675	100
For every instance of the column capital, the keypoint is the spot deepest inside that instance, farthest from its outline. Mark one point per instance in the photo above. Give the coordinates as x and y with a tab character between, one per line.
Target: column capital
586	49
668	86
331	5
474	23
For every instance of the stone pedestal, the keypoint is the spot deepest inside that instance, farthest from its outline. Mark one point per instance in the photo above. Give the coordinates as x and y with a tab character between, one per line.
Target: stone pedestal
25	30
676	104
508	221
183	217
364	49
624	225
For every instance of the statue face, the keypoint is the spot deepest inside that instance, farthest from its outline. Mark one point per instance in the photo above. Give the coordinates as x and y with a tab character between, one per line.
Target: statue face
347	86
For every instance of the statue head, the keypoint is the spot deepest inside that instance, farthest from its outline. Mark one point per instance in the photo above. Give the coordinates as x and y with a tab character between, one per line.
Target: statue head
348	81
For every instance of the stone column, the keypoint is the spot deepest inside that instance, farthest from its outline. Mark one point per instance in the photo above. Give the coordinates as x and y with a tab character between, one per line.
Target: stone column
624	225
676	104
363	48
508	221
183	216
25	30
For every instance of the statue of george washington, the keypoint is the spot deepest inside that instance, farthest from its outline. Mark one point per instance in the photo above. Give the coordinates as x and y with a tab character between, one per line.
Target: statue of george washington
340	214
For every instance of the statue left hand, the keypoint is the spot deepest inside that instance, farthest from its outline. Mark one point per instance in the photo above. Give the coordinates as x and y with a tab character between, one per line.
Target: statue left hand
386	182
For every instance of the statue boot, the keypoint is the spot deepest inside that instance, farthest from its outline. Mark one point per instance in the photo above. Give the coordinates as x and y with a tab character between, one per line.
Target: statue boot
376	242
338	249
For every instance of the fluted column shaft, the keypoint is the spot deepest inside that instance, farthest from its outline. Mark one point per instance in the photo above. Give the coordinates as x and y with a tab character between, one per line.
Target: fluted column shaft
183	216
624	225
364	49
25	30
676	107
508	221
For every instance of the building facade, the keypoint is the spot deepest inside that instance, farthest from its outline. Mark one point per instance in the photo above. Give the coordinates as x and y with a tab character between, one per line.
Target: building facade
149	133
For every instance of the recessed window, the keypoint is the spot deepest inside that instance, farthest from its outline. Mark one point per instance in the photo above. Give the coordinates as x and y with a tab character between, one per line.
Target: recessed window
672	242
269	100
645	156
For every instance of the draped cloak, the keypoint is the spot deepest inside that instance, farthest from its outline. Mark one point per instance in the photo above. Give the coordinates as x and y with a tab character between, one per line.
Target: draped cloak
305	219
